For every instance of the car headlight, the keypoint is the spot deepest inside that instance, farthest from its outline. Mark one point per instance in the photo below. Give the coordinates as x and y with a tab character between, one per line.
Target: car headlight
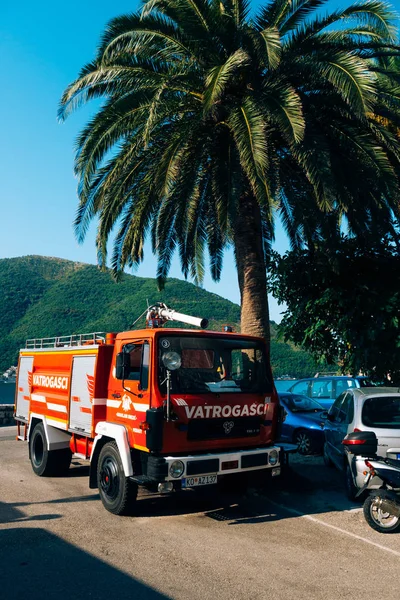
273	457
176	469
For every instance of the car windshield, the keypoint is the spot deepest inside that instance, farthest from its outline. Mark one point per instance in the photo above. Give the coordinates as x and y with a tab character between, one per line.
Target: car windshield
298	403
213	364
382	412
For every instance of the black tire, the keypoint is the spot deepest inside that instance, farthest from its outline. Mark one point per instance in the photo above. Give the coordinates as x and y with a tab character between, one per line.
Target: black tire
351	489
304	442
327	460
117	492
377	519
47	463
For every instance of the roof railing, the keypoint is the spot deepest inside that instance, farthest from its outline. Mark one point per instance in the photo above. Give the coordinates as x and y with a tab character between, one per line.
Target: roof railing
67	341
327	374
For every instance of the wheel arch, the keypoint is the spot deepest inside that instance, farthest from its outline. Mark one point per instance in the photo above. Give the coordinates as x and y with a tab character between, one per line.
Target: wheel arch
298	430
56	439
110	432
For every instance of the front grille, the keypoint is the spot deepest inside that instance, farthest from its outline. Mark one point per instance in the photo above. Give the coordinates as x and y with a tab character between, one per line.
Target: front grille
212	429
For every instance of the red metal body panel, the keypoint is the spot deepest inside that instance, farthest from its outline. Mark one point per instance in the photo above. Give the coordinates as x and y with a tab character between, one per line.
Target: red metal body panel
50	383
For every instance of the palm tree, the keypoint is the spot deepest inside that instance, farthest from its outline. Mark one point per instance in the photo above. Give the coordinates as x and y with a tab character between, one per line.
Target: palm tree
213	122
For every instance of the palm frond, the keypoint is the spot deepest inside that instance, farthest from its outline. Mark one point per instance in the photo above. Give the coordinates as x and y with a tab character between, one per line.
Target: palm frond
219	77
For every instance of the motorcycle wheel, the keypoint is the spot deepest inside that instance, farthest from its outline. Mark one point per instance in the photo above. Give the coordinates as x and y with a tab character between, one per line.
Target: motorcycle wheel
378	519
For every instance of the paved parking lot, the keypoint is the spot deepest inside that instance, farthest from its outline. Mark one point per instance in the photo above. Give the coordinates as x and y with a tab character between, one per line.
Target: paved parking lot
300	539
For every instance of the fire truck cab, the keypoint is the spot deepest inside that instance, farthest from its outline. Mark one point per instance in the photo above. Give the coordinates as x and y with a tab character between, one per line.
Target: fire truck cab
165	408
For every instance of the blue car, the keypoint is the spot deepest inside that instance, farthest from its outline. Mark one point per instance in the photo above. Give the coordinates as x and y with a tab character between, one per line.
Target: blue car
304	423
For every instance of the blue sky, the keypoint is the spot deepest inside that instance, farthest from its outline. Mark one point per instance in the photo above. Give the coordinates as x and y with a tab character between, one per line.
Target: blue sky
42	48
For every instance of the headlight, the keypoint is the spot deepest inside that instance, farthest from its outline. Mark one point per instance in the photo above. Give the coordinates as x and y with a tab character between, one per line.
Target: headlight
176	469
171	360
273	457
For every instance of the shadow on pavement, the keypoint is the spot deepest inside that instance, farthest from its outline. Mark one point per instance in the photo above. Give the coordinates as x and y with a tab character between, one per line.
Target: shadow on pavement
10	514
39	565
307	486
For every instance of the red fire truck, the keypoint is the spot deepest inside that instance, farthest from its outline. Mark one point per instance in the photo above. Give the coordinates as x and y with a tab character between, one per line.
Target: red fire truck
165	408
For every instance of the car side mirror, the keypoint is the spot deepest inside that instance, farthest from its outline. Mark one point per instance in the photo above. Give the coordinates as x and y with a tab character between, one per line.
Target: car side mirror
324	414
330	417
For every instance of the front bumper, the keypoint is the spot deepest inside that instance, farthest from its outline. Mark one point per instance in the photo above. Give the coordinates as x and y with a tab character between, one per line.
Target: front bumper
222	463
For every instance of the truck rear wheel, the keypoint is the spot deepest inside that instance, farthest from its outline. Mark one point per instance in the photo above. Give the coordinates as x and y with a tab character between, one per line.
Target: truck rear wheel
47	463
117	492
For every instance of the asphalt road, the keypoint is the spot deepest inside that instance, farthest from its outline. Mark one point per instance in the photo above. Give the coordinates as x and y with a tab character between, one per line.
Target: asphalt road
299	540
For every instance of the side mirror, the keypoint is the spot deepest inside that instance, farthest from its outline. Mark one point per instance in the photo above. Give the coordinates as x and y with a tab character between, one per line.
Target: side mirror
330	417
324	414
122	365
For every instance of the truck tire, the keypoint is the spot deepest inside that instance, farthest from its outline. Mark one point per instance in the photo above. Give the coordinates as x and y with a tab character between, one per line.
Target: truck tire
47	463
117	492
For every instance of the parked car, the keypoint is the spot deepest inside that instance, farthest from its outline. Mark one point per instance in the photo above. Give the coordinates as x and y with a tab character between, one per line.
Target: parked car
303	424
326	389
362	409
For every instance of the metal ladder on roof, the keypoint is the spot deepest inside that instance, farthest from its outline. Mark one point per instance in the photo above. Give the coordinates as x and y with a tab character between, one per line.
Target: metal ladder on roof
66	341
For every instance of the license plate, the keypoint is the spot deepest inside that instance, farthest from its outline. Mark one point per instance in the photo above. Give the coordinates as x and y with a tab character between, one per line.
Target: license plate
398	457
199	480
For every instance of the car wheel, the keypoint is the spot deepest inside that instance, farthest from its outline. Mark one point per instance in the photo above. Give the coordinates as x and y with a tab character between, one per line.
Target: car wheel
351	488
304	442
327	459
117	492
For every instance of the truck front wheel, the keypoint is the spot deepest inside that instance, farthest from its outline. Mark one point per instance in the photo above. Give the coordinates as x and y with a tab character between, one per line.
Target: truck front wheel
117	492
47	463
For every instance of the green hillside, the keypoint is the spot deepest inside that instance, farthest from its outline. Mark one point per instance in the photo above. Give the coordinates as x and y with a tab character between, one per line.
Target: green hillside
42	296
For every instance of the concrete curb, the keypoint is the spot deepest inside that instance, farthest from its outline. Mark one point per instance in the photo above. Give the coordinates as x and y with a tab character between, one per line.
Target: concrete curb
6	415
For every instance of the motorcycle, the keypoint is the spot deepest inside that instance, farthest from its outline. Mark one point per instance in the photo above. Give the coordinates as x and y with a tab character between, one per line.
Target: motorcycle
382	482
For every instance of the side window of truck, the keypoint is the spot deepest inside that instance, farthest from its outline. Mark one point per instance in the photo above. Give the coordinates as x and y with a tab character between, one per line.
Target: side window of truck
138	363
135	359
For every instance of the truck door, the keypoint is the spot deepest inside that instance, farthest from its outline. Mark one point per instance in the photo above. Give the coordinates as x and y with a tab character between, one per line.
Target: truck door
23	387
131	385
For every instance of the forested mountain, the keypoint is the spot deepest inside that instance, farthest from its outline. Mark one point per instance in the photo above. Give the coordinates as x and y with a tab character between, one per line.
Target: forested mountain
43	297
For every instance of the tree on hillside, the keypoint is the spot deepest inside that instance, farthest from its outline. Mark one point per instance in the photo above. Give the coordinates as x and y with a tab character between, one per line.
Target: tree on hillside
343	303
214	121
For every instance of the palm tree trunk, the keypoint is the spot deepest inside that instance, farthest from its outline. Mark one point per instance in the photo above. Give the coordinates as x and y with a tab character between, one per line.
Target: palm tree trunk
250	263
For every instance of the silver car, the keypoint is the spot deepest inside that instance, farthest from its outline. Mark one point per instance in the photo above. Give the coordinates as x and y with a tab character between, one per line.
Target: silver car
364	409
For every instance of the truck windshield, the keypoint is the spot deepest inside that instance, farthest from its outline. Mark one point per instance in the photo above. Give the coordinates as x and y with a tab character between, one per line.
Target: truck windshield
211	364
